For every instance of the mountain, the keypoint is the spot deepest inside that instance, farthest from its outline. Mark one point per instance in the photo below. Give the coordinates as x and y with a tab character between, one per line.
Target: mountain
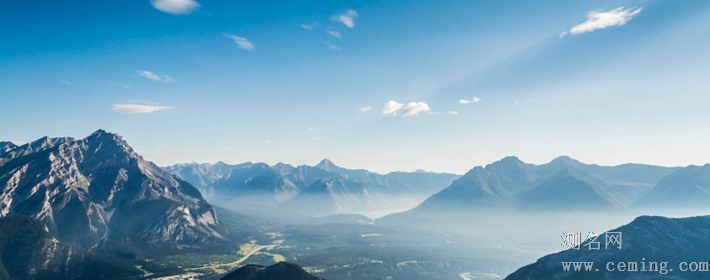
491	186
29	251
687	188
97	191
279	271
644	241
562	184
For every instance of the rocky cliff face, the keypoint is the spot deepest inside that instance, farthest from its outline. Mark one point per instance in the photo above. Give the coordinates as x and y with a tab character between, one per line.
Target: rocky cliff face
97	190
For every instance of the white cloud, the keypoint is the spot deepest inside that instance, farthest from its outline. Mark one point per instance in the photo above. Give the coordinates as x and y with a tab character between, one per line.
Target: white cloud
335	34
242	43
601	20
392	107
470	101
411	109
365	109
309	27
148	75
453	113
154	77
415	108
175	7
138	109
347	18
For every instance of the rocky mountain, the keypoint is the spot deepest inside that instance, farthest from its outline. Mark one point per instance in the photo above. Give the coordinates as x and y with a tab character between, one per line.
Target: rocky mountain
645	240
279	271
562	184
97	192
687	188
29	251
491	186
6	146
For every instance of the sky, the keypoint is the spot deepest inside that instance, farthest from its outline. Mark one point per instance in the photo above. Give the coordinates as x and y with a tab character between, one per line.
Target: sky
383	85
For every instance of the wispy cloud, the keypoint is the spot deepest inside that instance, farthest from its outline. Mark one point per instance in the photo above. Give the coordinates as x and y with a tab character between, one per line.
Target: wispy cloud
66	83
470	101
347	18
309	26
411	109
242	43
331	45
154	77
138	108
335	34
453	113
175	7
365	109
600	20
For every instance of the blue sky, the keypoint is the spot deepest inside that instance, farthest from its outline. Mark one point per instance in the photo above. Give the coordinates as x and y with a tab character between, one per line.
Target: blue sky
383	85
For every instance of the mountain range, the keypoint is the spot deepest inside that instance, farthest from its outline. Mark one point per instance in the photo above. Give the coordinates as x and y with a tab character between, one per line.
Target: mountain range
562	184
324	187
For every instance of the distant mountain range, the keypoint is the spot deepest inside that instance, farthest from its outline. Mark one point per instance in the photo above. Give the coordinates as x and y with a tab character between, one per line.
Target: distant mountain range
278	271
324	188
97	192
647	239
562	184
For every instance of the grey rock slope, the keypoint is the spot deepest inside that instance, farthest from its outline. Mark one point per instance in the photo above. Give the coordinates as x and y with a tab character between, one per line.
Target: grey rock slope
646	239
279	271
97	190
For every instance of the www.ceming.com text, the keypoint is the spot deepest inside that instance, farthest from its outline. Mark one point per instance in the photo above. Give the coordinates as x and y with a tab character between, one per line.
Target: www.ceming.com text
661	267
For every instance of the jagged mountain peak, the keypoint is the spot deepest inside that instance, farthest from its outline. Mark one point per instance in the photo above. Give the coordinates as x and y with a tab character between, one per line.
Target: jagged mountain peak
327	165
509	162
564	161
92	190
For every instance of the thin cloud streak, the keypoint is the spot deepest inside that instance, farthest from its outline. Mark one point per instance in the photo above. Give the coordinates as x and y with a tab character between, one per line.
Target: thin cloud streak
138	108
242	43
600	20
